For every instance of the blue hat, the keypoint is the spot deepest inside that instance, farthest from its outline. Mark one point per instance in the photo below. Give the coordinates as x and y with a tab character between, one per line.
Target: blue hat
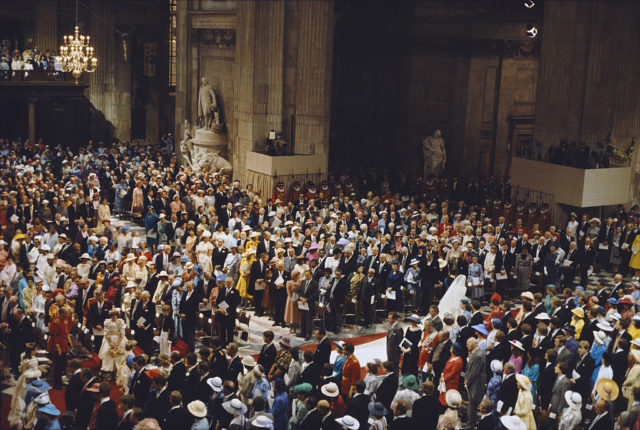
130	360
480	328
465	300
38	386
184	259
221	278
457	348
343	242
496	322
198	269
177	282
571	329
125	228
612	300
377	409
49	409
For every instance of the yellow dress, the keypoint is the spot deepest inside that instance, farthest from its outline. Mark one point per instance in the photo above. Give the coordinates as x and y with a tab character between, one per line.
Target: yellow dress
524	409
243	281
634	263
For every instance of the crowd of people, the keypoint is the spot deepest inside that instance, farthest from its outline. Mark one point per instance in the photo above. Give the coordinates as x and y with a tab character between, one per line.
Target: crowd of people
16	64
156	306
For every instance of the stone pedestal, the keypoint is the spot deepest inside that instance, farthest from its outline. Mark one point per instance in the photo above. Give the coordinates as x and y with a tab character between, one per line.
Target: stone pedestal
210	141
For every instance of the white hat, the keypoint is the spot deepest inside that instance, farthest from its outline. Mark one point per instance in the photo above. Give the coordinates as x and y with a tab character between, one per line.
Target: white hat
348	422
163	273
14	218
513	422
248	361
288	222
524	381
215	384
453	398
517	344
45	247
542	316
162	216
262	421
130	257
616	316
246	228
295	227
235	407
43	398
330	390
599	337
85	256
574	399
206	233
527	295
496	366
46	287
604	326
197	409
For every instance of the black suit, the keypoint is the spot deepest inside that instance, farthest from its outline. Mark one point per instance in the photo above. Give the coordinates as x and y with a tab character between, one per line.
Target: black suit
337	293
500	351
280	295
107	416
257	272
311	374
387	390
402	423
176	377
139	387
144	335
189	308
158	406
177	419
585	368
508	394
322	352
359	409
73	391
234	369
96	317
21	333
189	392
547	380
308	290
426	411
228	321
267	356
487	423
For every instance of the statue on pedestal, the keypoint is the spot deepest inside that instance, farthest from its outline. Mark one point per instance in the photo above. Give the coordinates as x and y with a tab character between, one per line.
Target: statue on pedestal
208	112
213	163
434	153
186	145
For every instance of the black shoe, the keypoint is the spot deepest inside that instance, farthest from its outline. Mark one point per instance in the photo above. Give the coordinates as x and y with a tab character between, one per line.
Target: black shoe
275	323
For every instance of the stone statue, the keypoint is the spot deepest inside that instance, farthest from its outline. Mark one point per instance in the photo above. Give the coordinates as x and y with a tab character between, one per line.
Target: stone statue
186	145
434	153
212	162
208	113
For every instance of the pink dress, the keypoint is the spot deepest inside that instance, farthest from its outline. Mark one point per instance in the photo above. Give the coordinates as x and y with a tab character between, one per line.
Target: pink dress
291	310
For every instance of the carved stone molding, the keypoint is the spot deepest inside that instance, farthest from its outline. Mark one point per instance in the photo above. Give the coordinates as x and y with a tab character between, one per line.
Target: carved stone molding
219	38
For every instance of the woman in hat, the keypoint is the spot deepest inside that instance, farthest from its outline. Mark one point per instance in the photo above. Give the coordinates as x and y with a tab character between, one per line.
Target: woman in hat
292	314
137	201
112	351
377	420
577	321
634	263
524	404
282	362
50	415
410	348
408	393
598	348
517	355
248	381
605	371
248	258
204	250
476	278
341	357
450	378
331	393
280	405
571	415
29	371
450	419
198	411
299	405
532	371
104	211
238	410
495	383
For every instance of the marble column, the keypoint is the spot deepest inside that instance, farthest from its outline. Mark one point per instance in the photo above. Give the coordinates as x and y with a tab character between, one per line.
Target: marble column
46	36
31	114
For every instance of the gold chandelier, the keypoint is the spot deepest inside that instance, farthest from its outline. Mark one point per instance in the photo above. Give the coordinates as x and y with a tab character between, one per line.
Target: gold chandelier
76	54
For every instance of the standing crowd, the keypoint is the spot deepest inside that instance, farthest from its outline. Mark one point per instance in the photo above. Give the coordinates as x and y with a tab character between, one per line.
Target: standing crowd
159	310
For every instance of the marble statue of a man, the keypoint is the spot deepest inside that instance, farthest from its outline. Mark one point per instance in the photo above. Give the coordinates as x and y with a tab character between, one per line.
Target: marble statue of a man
186	145
207	104
434	153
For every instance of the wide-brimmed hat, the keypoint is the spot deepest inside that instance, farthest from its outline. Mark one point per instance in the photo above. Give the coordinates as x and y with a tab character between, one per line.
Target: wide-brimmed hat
574	399
517	344
579	312
410	382
130	257
235	407
600	337
163	273
543	316
215	384
43	399
85	256
603	325
414	318
377	409
197	409
636	355
38	386
262	421
348	422
285	342
330	390
513	422
305	387
49	409
524	381
248	361
496	366
607	389
626	300
480	328
442	263
453	398
527	295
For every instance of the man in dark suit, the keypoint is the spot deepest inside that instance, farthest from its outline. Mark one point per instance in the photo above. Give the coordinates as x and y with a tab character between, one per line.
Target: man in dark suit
85	402
74	387
96	316
504	263
309	296
584	367
189	313
107	416
400	419
140	383
388	386
235	366
501	351
218	364
547	379
602	420
143	318
322	352
279	281
177	374
126	406
268	352
369	288
310	373
158	404
203	389
177	417
21	333
508	391
227	303
358	406
257	273
394	336
426	409
191	378
337	293
487	418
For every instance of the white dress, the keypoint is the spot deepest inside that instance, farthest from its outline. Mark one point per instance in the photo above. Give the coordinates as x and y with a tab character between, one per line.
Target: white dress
204	259
113	335
17	401
451	300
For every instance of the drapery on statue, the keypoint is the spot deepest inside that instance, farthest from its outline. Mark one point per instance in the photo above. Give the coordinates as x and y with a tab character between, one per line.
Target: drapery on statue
186	145
434	153
208	112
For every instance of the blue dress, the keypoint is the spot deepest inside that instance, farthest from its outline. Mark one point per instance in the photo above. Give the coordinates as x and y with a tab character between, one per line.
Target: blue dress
532	373
337	368
279	411
596	353
493	388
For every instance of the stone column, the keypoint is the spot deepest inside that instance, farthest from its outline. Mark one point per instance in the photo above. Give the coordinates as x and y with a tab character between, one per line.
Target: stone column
31	113
46	36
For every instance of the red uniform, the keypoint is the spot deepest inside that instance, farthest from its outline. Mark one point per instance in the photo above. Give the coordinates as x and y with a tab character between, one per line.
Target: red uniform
451	377
58	335
350	374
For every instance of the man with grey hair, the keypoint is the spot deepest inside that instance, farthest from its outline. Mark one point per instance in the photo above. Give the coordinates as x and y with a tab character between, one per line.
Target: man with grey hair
508	390
475	379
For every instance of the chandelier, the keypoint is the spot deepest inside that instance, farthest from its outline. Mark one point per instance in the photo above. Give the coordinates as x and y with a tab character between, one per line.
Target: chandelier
76	55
